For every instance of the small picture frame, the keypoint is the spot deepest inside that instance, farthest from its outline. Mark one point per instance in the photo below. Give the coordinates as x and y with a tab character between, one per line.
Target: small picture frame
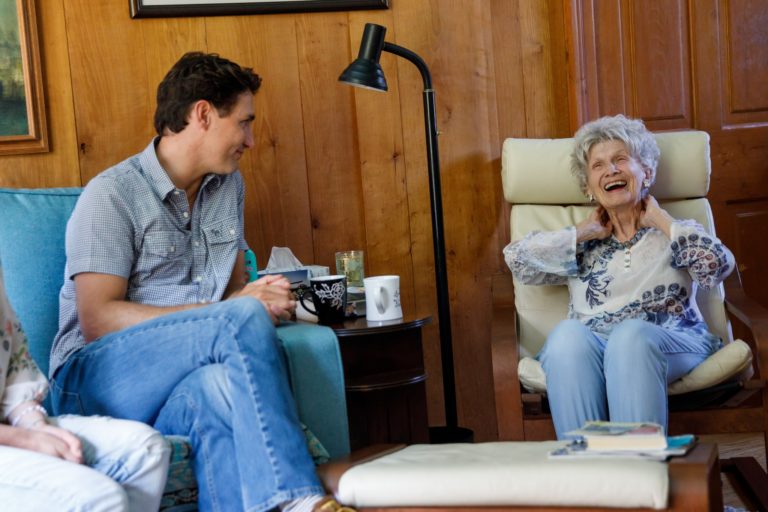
23	126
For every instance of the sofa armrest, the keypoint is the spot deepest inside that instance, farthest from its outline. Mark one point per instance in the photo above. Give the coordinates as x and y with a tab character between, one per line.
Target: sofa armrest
317	381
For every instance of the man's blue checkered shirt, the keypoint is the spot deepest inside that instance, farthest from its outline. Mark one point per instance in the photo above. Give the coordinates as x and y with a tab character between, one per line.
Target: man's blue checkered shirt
132	222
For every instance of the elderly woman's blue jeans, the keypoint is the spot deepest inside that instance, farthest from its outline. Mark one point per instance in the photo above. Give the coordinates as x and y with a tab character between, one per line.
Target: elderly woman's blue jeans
215	374
621	378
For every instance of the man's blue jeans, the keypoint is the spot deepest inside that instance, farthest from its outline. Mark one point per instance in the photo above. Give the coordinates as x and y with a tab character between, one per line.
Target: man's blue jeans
622	378
215	374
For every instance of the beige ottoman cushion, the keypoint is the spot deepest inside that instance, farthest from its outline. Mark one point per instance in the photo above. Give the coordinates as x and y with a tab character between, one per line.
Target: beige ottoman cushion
488	474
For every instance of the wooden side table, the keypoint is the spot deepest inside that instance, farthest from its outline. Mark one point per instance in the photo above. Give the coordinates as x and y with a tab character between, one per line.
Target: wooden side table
385	380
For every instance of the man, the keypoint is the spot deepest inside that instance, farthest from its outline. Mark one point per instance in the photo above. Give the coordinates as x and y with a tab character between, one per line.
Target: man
156	321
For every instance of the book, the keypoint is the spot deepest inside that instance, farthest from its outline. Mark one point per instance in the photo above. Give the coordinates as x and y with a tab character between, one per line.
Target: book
608	436
676	446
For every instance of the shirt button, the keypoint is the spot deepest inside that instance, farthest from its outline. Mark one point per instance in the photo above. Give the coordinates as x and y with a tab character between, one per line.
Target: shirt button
231	231
172	248
199	278
197	243
175	192
185	214
203	301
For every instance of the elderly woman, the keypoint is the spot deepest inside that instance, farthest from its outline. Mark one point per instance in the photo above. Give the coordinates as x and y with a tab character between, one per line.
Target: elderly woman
632	272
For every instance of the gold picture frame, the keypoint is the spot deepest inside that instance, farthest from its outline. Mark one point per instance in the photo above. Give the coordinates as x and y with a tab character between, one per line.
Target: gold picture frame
23	126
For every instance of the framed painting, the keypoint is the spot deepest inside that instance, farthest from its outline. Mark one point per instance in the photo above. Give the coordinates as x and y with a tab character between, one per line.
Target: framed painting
23	127
171	8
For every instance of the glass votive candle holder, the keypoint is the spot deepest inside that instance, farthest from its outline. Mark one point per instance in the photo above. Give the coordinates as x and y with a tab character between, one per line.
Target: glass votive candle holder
352	265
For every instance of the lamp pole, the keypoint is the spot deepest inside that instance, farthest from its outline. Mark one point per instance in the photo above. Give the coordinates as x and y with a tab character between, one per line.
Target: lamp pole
366	72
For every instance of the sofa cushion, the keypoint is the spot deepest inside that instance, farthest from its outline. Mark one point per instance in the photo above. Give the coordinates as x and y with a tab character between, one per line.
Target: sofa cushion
37	258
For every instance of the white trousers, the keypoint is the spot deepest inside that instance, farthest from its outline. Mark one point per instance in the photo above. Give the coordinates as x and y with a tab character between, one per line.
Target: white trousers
125	468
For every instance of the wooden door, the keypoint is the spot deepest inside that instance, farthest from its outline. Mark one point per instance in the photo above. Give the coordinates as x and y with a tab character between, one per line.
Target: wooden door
682	64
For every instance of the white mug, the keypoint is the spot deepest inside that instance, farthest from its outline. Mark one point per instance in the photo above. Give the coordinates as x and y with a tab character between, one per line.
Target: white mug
382	298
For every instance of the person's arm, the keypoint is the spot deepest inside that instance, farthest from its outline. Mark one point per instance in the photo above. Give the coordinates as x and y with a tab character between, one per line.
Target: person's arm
654	216
24	384
543	258
549	258
703	255
239	277
102	308
21	391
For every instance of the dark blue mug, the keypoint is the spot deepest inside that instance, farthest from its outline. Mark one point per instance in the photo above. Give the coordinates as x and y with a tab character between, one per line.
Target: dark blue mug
329	298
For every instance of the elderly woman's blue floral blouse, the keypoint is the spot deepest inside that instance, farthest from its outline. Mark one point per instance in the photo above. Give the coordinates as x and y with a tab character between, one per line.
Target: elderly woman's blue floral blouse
650	277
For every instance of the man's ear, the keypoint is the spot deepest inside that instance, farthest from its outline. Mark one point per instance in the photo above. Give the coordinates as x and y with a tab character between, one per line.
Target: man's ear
200	113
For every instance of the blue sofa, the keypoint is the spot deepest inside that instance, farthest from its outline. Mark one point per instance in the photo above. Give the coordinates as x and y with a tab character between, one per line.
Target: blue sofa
32	228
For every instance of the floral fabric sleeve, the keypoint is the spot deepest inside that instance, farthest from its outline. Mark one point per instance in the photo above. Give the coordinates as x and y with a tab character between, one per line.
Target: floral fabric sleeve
20	378
543	257
705	257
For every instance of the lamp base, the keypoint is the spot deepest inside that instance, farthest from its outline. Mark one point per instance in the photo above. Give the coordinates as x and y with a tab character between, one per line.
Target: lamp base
449	434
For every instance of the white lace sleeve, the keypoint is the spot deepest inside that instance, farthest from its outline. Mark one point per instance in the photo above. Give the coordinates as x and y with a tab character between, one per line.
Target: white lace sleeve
705	257
543	257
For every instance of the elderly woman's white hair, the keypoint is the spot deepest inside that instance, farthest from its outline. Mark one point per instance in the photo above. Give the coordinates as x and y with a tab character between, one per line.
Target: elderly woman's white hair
632	132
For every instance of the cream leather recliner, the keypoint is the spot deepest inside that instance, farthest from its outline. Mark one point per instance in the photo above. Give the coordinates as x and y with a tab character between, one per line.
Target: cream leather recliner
727	393
544	196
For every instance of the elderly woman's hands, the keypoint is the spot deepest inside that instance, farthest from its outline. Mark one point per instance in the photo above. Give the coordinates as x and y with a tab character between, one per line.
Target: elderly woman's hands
654	216
595	227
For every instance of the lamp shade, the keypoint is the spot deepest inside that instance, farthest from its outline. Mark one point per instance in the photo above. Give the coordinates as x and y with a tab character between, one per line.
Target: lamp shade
365	71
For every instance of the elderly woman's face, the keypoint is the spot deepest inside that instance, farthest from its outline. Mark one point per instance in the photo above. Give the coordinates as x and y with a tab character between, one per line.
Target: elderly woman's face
614	176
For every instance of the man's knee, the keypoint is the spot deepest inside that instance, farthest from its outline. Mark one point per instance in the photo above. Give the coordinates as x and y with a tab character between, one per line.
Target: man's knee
207	381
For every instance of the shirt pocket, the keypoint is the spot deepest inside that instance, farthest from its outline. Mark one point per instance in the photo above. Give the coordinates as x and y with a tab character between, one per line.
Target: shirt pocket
222	240
164	258
221	232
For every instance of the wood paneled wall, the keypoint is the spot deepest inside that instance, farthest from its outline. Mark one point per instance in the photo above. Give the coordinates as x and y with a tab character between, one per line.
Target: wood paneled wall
335	167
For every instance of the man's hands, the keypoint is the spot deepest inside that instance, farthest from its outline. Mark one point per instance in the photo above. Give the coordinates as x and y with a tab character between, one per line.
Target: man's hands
654	216
595	227
274	291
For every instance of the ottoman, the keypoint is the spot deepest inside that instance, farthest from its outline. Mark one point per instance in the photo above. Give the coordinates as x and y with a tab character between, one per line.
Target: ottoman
519	476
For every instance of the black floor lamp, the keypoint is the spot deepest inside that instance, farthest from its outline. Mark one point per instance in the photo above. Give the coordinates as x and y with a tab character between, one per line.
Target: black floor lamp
366	72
